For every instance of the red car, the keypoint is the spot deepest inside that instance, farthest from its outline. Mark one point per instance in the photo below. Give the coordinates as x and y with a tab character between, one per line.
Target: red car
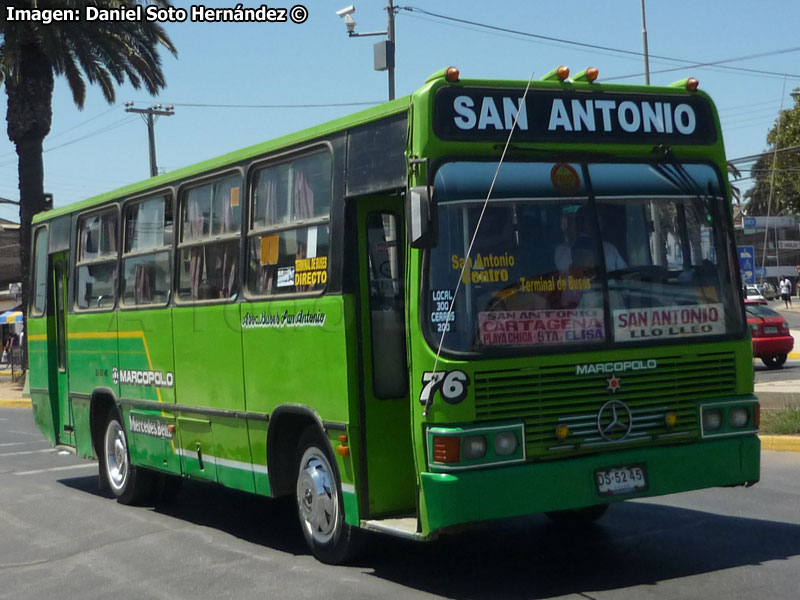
772	341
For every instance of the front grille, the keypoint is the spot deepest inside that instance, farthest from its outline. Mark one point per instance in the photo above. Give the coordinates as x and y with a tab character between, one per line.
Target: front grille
547	396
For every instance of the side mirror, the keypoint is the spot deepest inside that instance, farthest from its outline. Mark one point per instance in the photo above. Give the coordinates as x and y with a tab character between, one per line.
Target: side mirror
420	217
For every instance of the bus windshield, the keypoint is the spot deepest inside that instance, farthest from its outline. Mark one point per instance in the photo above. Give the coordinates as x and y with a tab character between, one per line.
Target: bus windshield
576	255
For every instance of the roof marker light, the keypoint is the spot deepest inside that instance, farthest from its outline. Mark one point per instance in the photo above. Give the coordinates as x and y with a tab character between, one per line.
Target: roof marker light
452	74
559	74
589	75
691	84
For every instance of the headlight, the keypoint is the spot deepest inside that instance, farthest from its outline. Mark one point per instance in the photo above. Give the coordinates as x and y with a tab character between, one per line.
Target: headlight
712	419
474	447
505	443
738	417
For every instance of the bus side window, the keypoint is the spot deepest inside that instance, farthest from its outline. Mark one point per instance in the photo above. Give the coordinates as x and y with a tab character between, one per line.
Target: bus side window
146	258
40	273
209	243
288	239
384	263
97	260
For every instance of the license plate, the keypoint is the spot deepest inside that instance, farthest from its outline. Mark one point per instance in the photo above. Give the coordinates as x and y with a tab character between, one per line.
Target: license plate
770	330
621	480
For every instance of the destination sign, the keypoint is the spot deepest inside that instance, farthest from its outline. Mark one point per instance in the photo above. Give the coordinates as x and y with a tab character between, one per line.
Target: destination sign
488	114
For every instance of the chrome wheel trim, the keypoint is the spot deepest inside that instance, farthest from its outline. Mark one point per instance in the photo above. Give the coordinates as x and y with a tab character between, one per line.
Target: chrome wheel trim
116	455
317	496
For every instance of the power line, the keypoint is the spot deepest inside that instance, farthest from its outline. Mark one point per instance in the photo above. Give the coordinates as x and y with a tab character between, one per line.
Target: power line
688	64
329	105
754	157
720	63
62	132
105	129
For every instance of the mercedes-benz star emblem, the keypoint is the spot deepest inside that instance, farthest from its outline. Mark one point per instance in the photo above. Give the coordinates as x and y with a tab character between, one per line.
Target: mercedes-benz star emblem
614	421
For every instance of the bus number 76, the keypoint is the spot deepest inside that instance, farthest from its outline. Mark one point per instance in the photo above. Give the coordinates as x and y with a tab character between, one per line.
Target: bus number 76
451	384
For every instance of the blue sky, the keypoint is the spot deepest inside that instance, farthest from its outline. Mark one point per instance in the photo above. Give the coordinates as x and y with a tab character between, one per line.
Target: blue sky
102	147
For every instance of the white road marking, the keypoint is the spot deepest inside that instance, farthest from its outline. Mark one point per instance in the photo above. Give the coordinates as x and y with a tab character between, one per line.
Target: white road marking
22	443
27	452
81	466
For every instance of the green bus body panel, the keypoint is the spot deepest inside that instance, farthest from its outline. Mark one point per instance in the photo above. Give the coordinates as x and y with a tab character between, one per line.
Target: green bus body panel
149	450
81	422
290	361
532	488
145	344
92	352
41	374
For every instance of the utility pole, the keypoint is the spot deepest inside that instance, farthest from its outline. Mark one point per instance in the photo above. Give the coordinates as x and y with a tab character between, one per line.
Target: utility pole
383	51
644	49
390	39
154	111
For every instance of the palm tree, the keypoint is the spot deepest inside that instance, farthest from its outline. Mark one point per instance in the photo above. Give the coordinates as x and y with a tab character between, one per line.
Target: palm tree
32	54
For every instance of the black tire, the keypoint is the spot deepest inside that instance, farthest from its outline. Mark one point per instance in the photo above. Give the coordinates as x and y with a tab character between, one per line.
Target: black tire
320	508
128	484
578	517
775	361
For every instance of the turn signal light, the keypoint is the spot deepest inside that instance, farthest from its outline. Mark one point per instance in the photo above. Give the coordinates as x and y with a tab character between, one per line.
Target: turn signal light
344	449
446	449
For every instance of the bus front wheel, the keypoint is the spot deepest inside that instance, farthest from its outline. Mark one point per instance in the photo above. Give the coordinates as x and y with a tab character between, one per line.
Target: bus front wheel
128	484
319	502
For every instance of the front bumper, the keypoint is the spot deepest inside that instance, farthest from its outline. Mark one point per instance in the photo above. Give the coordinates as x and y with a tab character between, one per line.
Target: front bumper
770	346
480	495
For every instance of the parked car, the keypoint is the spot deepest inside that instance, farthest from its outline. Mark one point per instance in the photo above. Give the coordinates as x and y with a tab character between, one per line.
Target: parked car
753	293
768	290
772	340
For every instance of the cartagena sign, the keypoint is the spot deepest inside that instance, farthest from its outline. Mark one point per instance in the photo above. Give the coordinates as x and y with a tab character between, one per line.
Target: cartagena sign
531	327
668	322
487	114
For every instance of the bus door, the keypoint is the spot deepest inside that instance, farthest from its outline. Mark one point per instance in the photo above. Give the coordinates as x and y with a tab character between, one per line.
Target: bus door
387	413
57	346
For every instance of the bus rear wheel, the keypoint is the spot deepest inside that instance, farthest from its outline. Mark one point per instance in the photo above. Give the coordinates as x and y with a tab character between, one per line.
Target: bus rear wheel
128	484
319	502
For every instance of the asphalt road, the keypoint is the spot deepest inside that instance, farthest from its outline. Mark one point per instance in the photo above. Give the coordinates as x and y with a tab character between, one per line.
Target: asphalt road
59	538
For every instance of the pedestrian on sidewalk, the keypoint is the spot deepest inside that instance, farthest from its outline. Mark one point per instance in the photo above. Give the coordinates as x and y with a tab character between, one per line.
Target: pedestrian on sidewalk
786	291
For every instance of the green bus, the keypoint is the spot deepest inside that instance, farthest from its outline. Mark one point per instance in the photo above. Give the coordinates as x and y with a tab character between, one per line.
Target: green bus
488	299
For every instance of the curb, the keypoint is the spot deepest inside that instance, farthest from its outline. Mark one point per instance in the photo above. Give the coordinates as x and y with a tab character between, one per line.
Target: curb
780	443
21	403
